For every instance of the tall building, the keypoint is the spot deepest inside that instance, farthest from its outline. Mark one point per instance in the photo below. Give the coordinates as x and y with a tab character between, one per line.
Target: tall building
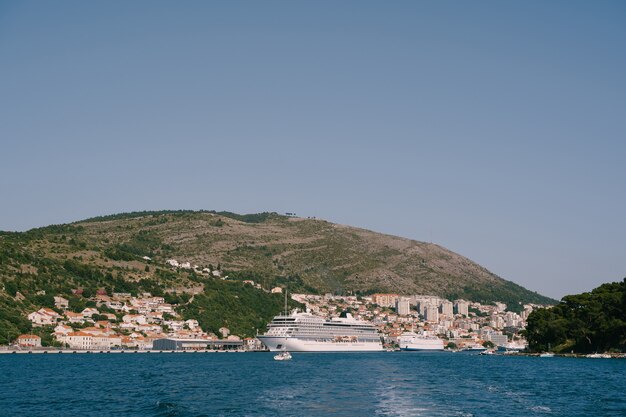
402	306
445	308
424	303
461	307
497	322
511	319
385	300
431	313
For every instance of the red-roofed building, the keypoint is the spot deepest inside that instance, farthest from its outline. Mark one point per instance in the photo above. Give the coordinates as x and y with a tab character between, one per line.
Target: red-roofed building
29	340
43	317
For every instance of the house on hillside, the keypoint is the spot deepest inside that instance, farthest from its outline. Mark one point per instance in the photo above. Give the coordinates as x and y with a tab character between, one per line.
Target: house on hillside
166	308
104	324
62	303
109	316
154	317
89	311
29	340
134	318
62	329
192	324
43	317
74	317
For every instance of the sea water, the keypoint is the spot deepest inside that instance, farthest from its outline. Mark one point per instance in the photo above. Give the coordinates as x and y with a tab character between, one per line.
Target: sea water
312	384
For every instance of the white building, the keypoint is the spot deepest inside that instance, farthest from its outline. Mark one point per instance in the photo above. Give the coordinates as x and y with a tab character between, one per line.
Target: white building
192	324
403	307
62	329
461	307
43	317
29	340
74	317
385	300
446	308
89	311
62	303
431	314
77	340
497	322
497	338
134	318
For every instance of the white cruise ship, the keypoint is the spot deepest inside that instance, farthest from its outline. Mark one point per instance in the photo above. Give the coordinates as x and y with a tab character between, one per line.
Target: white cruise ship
414	341
304	332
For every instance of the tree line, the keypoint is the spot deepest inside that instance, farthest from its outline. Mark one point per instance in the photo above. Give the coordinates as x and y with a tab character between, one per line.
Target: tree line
589	322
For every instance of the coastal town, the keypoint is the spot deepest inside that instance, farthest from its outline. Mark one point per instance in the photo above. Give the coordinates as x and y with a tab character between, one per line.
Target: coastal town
143	322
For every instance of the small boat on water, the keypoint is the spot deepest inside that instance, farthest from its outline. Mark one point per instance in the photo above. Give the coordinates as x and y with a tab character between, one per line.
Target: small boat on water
283	356
475	348
599	356
547	355
512	347
488	352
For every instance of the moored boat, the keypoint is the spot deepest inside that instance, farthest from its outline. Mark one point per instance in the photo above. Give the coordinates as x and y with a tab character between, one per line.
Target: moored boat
475	348
282	356
411	341
512	347
598	356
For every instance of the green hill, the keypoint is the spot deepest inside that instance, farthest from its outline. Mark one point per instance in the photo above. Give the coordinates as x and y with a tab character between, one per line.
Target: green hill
308	255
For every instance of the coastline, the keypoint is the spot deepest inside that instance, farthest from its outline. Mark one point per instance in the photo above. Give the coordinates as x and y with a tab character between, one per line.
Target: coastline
130	352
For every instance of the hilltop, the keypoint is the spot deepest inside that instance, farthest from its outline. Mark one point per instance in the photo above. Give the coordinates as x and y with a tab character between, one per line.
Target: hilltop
308	254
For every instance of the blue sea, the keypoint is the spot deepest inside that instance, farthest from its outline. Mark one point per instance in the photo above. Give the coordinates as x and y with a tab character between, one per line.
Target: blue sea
312	384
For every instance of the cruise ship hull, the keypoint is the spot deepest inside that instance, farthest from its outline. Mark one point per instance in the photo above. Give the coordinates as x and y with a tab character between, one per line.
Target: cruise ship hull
276	344
414	342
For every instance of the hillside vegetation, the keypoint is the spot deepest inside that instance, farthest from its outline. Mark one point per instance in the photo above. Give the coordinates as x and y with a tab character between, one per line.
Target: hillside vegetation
307	255
590	322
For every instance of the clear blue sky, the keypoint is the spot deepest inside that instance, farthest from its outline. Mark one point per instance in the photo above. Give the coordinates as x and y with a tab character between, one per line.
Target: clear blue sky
496	129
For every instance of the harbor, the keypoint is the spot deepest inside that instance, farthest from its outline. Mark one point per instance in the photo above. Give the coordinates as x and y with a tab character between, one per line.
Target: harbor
311	384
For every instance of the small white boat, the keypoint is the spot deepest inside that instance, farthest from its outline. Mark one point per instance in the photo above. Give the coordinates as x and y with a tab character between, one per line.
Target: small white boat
283	356
488	352
546	355
475	348
599	356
